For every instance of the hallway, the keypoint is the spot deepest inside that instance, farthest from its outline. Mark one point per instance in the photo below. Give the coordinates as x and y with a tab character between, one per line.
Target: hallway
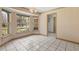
39	43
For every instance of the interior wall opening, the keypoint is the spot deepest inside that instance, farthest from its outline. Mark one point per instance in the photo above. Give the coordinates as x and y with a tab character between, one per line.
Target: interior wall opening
51	20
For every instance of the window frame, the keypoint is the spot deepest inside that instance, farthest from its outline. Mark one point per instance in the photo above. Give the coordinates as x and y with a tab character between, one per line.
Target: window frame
23	19
8	20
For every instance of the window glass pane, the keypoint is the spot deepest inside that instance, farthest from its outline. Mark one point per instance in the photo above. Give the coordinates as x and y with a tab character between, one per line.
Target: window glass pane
22	23
5	23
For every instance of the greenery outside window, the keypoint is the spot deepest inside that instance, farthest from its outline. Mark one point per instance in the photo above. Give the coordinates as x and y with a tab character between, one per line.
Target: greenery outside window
5	22
23	23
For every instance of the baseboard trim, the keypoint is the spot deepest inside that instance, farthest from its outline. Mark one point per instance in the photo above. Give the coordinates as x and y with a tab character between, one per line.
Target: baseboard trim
67	40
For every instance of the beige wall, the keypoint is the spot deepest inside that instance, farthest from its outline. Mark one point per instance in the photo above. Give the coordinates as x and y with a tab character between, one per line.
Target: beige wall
67	23
31	24
43	24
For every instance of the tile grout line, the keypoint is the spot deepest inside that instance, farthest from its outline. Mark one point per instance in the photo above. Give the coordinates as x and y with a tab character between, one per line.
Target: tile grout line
58	45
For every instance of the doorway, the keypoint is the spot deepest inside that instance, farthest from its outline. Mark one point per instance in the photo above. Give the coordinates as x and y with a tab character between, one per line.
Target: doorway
51	20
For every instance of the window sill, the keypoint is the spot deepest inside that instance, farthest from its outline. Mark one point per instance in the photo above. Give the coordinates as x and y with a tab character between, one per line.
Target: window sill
7	35
22	32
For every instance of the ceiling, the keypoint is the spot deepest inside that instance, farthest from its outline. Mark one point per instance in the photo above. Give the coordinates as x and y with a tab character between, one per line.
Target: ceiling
44	9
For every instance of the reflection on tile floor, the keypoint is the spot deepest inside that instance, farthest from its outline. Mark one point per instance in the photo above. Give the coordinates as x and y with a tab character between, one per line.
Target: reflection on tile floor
39	43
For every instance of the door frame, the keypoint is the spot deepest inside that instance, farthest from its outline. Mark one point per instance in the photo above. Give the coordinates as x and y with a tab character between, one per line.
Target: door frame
55	21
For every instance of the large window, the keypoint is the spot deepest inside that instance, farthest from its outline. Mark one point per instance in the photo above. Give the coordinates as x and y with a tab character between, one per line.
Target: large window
23	23
5	22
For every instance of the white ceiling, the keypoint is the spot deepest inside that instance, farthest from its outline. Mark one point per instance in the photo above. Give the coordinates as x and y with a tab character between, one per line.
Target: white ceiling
44	9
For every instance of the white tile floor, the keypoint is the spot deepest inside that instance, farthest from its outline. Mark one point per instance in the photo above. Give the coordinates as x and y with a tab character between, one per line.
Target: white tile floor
39	43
